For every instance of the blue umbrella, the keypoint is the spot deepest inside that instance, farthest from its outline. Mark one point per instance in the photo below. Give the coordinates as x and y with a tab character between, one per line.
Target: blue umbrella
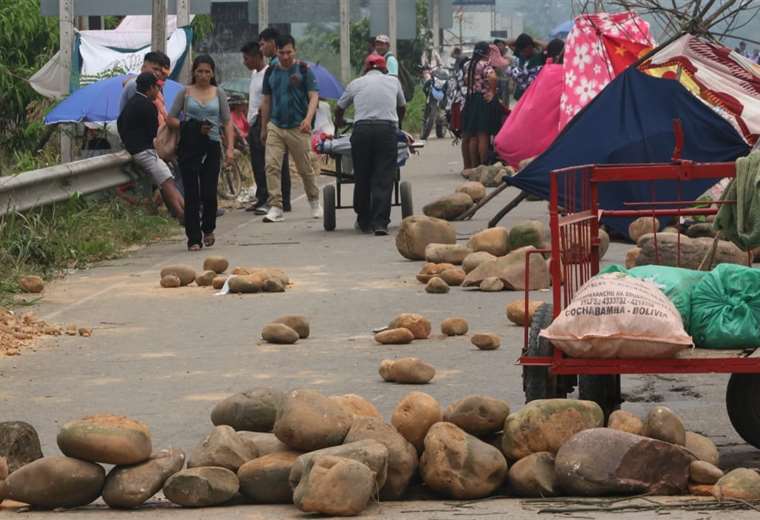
562	30
329	87
99	102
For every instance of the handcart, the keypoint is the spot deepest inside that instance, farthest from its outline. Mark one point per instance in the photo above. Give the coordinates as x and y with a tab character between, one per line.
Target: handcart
339	149
574	219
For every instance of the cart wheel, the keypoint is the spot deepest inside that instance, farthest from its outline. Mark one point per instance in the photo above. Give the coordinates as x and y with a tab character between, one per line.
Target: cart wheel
743	407
328	203
603	390
407	206
538	383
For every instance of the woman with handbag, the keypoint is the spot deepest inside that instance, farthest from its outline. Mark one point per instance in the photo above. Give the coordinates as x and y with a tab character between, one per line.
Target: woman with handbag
206	115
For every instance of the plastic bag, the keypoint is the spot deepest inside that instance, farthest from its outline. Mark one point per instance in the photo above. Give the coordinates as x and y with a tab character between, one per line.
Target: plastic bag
725	308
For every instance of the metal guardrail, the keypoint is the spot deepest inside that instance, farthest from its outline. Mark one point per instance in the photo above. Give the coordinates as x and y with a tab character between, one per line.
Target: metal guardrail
56	183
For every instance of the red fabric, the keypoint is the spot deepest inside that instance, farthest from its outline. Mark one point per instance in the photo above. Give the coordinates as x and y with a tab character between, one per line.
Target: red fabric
534	122
240	120
623	53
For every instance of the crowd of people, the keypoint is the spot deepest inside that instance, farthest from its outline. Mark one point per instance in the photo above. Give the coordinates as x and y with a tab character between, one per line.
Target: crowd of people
190	141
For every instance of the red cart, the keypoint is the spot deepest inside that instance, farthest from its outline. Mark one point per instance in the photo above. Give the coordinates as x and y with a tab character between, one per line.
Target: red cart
547	372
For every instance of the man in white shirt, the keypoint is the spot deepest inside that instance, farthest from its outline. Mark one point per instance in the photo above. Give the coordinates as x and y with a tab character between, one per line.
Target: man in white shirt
379	106
256	62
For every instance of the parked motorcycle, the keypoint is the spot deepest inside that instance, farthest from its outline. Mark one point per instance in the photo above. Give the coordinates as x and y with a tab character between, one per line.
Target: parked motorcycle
435	88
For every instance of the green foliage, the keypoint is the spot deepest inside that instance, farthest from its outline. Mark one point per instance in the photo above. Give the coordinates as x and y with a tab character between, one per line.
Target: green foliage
27	41
202	26
69	235
317	45
414	111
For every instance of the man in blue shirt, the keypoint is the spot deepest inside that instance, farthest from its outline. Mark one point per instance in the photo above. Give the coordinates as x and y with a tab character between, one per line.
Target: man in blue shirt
382	47
288	106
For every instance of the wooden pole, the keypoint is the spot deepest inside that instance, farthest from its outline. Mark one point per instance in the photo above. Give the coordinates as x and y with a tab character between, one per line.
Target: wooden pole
158	26
263	14
392	24
66	30
345	42
183	20
435	14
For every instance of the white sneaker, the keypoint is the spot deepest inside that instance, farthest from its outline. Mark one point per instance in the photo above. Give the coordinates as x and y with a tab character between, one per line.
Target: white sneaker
316	209
274	215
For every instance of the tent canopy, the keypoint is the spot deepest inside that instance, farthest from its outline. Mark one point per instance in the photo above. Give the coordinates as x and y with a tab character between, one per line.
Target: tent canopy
631	121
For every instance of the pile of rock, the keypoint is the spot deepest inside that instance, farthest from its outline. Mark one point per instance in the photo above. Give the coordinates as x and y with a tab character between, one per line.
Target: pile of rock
243	280
677	250
405	328
18	331
334	455
286	330
489	176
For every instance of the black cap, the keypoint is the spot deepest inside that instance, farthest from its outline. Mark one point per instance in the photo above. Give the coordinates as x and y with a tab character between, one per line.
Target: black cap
144	81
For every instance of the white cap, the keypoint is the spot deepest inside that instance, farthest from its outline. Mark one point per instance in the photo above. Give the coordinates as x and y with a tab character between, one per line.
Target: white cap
382	38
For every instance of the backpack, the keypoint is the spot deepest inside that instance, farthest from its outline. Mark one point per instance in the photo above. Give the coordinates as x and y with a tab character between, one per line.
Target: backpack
408	83
303	69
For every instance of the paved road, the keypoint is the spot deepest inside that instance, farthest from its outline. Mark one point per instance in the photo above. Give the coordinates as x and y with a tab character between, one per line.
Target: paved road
166	356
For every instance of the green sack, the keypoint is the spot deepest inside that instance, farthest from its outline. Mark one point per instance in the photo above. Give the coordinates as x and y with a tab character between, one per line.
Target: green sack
677	284
725	308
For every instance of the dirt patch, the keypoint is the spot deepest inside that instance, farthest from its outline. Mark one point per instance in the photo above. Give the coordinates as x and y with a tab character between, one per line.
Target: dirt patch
19	331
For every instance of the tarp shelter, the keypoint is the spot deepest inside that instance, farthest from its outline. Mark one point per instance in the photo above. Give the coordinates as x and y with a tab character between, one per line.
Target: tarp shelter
721	78
99	54
631	121
600	47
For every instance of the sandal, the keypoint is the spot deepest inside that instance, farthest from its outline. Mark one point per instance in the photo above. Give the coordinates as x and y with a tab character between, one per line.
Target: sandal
194	248
208	239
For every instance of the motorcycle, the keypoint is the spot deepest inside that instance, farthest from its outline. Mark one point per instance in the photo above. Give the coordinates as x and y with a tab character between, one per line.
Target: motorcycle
435	88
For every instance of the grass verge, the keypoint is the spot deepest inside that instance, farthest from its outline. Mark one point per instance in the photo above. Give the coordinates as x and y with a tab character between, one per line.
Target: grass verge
71	235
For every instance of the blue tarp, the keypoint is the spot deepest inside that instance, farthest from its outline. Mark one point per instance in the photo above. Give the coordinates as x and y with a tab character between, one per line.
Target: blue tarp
631	121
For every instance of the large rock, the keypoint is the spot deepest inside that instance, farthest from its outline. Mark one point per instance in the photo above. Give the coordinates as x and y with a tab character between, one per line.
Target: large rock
691	251
602	461
486	341
511	270
106	438
631	257
395	336
473	260
335	486
459	465
529	233
546	424
265	479
437	285
19	444
604	243
474	189
446	253
478	415
53	482
534	476
739	484
453	277
416	323
626	422
201	487
454	326
309	421
279	334
417	232
448	207
492	285
641	226
3	476
186	274
414	415
223	447
702	448
31	284
356	405
131	486
702	472
296	322
265	443
402	456
254	410
494	241
410	371
516	311
369	452
662	424
494	175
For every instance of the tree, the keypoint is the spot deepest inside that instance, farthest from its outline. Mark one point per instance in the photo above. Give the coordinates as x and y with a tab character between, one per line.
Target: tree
27	41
